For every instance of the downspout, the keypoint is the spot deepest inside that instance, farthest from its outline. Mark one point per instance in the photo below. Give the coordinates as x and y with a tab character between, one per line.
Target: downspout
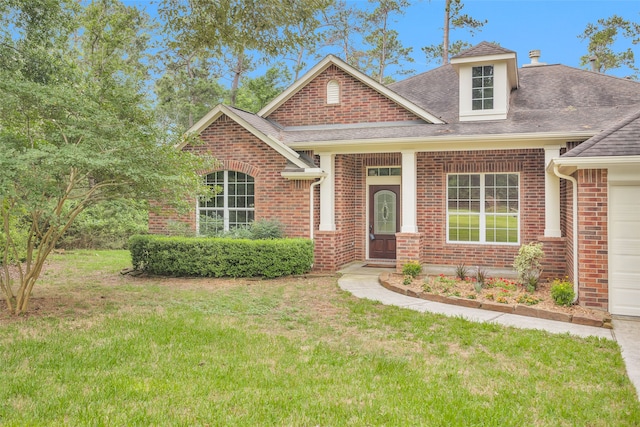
575	227
311	204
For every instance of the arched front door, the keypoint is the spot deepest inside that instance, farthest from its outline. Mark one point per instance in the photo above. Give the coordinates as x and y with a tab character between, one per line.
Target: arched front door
384	220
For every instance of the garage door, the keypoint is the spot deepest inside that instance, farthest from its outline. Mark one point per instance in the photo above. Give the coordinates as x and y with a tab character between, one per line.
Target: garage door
624	253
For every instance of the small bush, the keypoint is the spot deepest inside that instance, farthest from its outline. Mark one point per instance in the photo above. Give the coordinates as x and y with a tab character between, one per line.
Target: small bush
407	280
481	276
527	264
562	292
267	229
461	271
412	268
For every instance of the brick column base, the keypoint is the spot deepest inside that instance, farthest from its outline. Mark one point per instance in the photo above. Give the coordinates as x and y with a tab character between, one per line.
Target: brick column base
326	251
408	248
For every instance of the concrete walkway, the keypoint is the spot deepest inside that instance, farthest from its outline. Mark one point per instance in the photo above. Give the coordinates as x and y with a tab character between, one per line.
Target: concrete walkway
363	282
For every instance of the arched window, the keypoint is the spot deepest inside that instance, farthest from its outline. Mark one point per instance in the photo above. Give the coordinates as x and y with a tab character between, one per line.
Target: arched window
231	207
333	92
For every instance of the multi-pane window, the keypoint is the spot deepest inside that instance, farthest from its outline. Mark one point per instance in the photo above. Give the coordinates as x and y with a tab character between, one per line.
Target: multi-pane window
482	88
231	207
483	208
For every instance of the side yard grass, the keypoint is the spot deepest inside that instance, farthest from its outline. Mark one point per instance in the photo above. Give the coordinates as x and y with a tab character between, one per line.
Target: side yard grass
103	349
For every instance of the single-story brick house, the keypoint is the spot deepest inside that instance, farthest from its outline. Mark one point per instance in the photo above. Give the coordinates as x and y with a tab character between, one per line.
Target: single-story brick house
463	163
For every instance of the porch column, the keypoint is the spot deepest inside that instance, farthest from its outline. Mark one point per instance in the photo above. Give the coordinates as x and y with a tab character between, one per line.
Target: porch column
327	193
551	195
409	222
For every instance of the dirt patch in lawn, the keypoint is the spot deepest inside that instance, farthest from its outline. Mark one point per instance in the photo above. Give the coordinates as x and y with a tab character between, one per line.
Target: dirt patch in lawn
498	294
66	291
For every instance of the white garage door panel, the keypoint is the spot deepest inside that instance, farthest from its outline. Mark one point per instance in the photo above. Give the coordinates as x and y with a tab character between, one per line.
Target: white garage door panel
624	253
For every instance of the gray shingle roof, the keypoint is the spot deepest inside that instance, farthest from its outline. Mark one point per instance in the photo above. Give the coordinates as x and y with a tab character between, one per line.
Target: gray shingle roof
482	49
549	99
621	139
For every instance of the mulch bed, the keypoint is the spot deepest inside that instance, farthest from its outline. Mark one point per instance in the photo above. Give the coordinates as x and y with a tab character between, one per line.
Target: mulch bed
501	295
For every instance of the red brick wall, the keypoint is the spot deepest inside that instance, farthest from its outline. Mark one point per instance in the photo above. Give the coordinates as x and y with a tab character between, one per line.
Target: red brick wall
351	208
432	170
593	264
358	103
276	197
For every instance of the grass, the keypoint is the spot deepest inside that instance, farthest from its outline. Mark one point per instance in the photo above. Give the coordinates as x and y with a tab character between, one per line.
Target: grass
105	349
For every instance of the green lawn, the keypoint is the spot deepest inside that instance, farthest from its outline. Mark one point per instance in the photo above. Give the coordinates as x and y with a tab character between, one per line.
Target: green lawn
105	349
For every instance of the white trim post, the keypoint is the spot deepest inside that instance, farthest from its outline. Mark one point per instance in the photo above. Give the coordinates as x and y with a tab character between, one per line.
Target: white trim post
409	192
551	195
327	193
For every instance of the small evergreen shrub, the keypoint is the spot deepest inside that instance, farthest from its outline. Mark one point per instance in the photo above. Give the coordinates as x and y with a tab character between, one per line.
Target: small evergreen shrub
528	266
412	268
562	292
267	229
220	257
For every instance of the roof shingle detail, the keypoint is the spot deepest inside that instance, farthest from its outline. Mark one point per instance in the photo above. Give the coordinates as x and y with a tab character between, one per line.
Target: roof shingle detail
621	139
483	49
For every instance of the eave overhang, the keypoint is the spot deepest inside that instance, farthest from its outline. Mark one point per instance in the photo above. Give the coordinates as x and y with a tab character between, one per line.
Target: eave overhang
568	165
304	175
442	143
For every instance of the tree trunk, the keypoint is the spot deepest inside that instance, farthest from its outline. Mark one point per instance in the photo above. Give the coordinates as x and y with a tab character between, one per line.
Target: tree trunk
445	41
237	73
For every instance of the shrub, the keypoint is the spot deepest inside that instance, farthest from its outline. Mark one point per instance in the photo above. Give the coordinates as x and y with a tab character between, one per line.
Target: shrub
107	225
412	268
527	264
461	271
18	234
267	229
481	276
407	280
220	257
562	292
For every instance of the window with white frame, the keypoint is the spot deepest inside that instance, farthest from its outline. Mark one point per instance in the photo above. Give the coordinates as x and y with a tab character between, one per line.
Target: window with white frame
483	208
482	88
231	207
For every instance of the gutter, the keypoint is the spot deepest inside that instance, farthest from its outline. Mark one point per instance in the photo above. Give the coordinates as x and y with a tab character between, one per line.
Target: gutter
575	227
311	204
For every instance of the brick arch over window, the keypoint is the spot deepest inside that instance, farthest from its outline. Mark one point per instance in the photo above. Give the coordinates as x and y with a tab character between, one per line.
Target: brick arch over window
238	166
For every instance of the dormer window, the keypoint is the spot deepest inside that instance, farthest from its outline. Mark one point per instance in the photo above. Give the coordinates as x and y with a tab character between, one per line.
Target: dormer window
487	74
482	88
333	92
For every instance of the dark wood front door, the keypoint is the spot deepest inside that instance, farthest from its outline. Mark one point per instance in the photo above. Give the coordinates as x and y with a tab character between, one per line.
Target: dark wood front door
384	220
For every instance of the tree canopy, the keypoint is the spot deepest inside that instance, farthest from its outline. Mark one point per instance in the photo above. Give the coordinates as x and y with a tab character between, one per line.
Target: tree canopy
602	37
76	129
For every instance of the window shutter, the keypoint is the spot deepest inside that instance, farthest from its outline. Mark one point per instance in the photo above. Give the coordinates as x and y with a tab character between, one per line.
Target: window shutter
333	92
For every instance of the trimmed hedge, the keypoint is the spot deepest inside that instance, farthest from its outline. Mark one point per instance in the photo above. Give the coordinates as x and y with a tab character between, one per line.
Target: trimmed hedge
220	257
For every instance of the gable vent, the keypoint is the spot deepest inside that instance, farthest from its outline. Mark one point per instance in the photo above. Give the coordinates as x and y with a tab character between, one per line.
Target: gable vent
333	92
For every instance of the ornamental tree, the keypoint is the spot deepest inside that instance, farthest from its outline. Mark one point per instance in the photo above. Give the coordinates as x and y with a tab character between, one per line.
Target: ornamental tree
75	129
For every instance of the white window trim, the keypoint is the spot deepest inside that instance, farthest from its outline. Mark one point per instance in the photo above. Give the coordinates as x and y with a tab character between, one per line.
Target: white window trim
333	92
225	209
482	214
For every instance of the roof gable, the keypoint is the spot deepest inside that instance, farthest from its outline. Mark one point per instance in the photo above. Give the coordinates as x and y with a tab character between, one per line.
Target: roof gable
483	49
259	127
355	74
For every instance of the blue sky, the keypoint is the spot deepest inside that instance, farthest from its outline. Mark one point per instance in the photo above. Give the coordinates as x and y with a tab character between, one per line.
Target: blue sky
551	26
